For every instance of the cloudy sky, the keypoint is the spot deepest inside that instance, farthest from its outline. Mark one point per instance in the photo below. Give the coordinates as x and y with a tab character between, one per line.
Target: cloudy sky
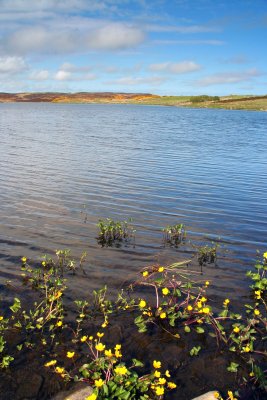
175	47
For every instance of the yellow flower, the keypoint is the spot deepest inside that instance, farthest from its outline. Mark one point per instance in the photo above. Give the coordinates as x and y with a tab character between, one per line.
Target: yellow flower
142	304
203	299
162	381
162	315
59	323
120	370
190	308
117	347
247	349
108	353
216	395
99	382
70	354
226	302
145	273
100	346
207	283
171	385
236	329
167	373
50	363
257	312
161	269
84	338
157	374
100	335
57	295
91	337
199	304
156	364
205	310
24	259
159	390
92	396
165	291
118	353
258	294
1	317
105	324
265	255
59	370
231	396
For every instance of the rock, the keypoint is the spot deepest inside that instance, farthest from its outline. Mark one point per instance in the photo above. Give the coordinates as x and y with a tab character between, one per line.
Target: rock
79	392
207	396
29	385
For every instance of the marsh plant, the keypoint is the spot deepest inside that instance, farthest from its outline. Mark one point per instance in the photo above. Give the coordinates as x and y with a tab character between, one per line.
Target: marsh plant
176	300
174	234
206	254
113	232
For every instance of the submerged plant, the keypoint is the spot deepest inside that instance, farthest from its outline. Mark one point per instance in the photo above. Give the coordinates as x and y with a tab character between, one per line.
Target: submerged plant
174	234
111	231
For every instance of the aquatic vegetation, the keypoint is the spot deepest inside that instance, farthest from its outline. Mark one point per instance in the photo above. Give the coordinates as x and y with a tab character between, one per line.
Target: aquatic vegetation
174	234
111	231
177	301
207	254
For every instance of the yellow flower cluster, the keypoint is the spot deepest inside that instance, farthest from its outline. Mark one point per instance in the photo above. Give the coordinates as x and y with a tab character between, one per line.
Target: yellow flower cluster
158	386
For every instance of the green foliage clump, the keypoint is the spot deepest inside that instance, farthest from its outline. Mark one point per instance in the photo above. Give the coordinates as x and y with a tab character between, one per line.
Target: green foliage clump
203	98
111	231
174	234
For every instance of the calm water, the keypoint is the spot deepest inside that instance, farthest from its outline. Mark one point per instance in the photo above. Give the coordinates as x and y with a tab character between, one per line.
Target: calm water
62	164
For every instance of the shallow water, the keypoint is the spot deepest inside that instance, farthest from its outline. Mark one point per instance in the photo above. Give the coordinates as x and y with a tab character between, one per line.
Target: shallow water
62	165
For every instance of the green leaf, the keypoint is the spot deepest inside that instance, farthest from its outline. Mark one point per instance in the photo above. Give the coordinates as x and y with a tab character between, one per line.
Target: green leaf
233	367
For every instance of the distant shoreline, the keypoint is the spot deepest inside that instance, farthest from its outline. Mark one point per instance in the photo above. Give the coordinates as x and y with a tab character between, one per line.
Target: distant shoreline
232	102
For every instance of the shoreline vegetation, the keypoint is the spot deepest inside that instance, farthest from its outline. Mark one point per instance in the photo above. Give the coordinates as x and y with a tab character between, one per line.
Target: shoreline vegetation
231	102
95	340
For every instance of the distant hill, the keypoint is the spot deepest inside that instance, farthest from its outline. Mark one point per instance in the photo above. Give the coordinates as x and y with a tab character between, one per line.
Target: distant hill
232	102
82	97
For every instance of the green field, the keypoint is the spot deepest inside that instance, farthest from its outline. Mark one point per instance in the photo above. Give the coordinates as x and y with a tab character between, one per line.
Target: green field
233	102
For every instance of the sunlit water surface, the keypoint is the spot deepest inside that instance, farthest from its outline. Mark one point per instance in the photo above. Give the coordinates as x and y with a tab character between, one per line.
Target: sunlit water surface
65	166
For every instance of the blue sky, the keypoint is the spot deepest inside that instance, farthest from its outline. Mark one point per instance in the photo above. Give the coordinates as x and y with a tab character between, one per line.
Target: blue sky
175	47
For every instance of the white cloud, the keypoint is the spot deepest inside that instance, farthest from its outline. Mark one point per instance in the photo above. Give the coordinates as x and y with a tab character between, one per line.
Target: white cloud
182	67
115	36
182	29
211	42
228	78
12	65
65	75
74	68
39	75
129	80
62	75
53	40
